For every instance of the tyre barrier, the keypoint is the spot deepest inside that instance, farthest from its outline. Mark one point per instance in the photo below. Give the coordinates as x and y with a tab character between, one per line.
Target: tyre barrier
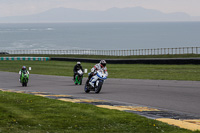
25	58
113	61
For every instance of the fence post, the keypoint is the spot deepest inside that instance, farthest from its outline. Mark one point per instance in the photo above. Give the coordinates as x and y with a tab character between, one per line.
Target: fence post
168	51
175	50
192	50
158	51
161	51
164	51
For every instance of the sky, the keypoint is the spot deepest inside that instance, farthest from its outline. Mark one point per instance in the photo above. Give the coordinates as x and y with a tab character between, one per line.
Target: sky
28	7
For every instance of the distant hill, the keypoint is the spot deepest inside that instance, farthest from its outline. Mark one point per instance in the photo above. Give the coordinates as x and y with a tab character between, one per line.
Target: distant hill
133	14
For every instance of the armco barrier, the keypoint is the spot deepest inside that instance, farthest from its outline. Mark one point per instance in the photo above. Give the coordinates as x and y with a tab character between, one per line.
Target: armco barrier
136	61
25	58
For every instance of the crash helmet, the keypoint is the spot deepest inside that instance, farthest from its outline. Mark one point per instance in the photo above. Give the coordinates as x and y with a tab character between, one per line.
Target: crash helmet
24	68
78	63
103	63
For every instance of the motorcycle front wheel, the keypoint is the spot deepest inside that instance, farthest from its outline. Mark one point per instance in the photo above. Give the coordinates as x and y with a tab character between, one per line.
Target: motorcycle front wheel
24	84
86	88
98	89
80	80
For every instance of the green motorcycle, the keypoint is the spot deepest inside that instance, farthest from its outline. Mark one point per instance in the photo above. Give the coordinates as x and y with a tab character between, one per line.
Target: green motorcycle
78	77
24	78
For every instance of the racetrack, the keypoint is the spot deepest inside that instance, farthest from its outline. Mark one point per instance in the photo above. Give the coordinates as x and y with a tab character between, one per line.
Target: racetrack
180	96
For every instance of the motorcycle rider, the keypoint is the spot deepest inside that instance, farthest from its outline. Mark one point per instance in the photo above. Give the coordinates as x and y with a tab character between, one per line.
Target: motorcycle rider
77	67
100	66
23	70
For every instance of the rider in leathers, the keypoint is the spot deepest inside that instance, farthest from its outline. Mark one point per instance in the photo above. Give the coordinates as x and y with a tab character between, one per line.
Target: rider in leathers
76	68
100	66
21	71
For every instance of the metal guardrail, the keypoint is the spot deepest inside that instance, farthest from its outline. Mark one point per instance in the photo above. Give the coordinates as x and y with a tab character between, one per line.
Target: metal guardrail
156	51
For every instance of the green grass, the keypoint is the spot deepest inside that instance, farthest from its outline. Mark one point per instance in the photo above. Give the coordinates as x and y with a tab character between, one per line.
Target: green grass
111	57
23	113
131	71
26	113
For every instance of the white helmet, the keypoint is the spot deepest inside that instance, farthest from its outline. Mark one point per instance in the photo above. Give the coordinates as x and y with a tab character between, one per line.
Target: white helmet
103	63
78	63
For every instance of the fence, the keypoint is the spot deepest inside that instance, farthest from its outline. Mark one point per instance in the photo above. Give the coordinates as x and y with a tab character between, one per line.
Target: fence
157	51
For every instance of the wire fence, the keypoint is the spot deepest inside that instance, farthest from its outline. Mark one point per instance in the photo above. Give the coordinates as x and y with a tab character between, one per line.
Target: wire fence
156	51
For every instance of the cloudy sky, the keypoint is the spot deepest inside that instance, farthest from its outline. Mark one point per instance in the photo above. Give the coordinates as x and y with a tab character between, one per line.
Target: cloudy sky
26	7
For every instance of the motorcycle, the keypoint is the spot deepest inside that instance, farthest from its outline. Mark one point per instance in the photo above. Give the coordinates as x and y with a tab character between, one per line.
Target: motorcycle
78	77
101	77
24	78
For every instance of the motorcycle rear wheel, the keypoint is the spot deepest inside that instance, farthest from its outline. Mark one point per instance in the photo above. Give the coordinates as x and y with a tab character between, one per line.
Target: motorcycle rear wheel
76	80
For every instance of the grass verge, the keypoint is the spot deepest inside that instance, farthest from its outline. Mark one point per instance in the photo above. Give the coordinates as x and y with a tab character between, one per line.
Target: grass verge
127	71
22	113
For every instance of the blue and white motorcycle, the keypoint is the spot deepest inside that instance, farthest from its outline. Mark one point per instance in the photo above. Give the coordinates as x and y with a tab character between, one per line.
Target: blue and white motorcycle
101	76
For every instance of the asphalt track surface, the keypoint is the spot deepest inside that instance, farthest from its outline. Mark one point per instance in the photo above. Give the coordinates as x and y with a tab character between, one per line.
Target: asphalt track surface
178	96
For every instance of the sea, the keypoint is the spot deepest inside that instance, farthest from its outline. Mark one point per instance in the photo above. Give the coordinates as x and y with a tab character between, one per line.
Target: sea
99	36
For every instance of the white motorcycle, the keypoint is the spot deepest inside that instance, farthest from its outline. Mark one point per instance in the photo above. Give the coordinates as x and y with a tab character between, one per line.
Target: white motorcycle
101	76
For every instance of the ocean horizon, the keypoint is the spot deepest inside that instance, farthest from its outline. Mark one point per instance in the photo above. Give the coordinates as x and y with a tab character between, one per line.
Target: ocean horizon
99	36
